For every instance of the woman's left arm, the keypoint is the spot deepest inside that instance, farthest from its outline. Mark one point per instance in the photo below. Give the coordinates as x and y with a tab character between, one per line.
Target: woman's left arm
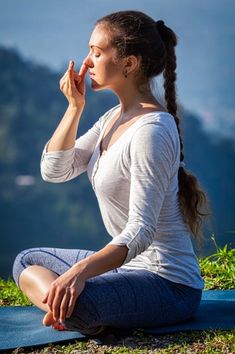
64	291
154	156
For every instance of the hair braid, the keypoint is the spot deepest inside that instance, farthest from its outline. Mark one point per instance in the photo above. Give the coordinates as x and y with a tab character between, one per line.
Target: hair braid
169	76
191	196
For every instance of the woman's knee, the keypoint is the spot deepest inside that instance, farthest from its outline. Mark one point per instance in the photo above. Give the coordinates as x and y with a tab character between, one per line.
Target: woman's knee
21	262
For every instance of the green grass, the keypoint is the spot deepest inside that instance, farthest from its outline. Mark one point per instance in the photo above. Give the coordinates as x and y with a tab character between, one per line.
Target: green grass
218	271
11	295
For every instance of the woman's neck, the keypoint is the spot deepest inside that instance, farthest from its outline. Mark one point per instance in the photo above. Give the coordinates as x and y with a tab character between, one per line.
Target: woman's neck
135	101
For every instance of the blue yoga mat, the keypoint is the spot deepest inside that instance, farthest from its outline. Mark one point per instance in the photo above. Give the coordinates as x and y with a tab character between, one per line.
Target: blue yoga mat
21	326
216	311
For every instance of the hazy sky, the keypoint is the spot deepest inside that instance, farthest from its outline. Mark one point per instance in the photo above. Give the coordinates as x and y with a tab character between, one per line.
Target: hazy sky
53	31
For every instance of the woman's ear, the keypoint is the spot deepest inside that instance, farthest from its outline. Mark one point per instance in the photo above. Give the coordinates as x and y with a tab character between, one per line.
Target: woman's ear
132	64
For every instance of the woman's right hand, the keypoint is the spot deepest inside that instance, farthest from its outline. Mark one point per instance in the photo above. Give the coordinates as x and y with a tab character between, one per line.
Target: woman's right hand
73	86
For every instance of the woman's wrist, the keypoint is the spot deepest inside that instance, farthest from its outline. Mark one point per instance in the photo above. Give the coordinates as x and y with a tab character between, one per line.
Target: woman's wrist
75	107
80	269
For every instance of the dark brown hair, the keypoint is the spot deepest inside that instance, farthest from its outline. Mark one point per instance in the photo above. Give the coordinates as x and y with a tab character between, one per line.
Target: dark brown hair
135	33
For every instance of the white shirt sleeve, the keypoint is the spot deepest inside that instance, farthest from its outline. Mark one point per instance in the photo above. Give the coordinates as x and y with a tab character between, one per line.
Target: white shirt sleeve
152	155
64	165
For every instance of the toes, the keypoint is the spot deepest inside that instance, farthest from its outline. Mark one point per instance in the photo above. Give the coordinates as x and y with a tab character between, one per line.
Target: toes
58	326
48	319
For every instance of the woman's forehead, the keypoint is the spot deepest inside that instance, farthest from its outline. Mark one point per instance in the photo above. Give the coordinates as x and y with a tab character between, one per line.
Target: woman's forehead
99	38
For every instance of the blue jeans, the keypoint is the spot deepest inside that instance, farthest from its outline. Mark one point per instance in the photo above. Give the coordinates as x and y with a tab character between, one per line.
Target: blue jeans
118	299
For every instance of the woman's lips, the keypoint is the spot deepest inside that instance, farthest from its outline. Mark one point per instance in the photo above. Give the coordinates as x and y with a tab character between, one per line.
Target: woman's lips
92	77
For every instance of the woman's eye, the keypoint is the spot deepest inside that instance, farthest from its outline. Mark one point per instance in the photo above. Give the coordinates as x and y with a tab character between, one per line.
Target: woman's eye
96	55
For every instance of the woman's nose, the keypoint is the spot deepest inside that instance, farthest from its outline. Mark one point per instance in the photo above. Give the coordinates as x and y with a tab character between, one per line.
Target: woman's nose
88	61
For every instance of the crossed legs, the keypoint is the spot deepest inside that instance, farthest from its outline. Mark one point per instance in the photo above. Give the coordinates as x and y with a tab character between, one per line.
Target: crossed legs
121	298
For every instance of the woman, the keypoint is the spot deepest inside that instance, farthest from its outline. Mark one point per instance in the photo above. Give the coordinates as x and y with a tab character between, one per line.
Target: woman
148	275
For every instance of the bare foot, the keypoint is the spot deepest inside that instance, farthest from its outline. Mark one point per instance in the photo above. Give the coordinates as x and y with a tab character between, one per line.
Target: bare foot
48	320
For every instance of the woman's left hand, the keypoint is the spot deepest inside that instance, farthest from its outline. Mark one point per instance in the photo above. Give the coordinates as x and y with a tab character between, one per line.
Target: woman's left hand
63	293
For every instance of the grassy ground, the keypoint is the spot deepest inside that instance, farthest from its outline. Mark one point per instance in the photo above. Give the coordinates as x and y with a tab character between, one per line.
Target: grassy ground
218	271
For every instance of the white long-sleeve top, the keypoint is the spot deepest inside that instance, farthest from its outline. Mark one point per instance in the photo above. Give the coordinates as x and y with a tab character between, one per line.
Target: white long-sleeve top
136	185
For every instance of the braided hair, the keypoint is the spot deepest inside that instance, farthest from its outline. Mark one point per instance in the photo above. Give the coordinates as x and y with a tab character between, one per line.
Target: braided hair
191	196
135	33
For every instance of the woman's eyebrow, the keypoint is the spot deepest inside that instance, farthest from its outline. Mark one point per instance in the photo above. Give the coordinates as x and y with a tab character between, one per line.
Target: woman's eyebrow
91	46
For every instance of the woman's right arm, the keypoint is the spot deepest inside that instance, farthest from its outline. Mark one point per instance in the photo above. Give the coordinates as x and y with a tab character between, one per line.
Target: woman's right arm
64	157
73	87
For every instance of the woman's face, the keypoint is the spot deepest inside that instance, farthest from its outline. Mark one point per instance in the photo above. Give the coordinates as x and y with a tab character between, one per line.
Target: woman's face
105	72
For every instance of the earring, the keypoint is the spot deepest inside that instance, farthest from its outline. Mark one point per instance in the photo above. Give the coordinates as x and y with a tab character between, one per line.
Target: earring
125	74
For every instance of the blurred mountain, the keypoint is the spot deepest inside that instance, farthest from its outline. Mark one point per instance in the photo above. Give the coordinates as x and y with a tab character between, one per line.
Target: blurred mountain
35	213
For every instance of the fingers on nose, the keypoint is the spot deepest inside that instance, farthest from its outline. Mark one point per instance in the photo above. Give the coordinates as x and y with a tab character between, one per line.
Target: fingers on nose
83	69
88	61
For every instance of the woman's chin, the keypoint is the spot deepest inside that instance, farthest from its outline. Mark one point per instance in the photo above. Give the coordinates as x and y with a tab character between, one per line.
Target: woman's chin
95	86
